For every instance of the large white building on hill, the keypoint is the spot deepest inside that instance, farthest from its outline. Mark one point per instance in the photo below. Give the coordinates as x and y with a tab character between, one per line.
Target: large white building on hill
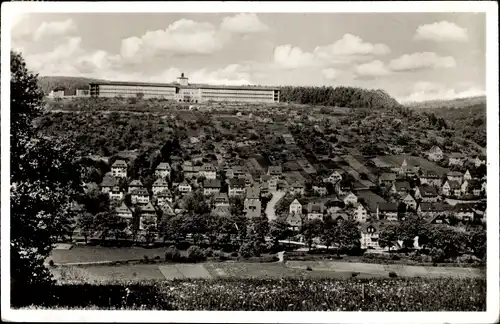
183	91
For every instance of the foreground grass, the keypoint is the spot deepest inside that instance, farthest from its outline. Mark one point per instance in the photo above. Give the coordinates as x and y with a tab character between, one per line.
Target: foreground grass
380	294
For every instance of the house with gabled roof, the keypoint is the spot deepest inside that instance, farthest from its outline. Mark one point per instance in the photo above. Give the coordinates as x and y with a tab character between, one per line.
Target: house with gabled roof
320	190
426	194
159	185
334	177
119	169
139	196
349	199
451	188
147	215
471	187
400	188
295	207
275	171
116	194
163	170
387	179
410	202
387	211
184	187
464	212
430	178
125	213
456	158
189	170
107	184
294	221
369	235
134	185
455	176
433	209
208	171
236	187
435	153
167	209
337	214
315	211
211	186
360	213
467	175
164	197
221	199
297	188
252	204
479	160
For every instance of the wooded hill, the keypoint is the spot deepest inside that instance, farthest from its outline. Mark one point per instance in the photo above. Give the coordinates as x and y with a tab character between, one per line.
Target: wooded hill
70	84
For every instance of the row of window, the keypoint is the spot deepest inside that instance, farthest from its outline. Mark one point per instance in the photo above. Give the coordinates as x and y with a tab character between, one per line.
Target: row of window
136	88
236	93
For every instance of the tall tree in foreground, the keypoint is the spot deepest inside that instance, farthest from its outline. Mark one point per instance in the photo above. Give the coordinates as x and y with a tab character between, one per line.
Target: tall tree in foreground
43	180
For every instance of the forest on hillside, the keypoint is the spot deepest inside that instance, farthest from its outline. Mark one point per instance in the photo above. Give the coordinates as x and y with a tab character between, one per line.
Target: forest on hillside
70	84
349	97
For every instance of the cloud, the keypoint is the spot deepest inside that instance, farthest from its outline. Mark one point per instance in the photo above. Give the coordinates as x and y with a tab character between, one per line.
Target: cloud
421	61
54	28
243	23
372	69
330	74
425	90
293	57
348	49
181	37
441	31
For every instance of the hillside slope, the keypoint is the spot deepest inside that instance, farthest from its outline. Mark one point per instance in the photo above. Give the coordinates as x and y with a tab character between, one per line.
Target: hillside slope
454	103
48	83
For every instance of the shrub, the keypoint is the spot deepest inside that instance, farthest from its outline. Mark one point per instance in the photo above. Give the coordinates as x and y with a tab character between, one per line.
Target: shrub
309	268
146	259
392	274
437	255
234	254
157	257
395	257
354	274
195	253
209	252
172	254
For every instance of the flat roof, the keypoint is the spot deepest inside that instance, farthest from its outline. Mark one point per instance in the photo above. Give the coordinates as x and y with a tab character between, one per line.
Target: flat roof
190	86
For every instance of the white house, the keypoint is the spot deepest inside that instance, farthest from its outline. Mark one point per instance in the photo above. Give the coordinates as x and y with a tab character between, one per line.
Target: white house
296	207
334	177
350	199
140	196
426	194
148	216
410	202
107	184
116	194
430	178
360	213
164	197
163	170
119	169
455	176
297	188
369	236
294	222
134	185
435	154
451	188
456	159
387	211
236	187
221	200
320	190
315	211
208	171
124	212
211	186
159	185
185	187
479	160
467	175
463	212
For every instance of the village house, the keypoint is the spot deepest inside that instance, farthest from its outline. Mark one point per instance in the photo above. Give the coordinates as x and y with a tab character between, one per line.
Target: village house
296	207
252	204
471	187
235	172
479	160
369	236
247	177
119	169
208	171
211	186
184	187
320	190
431	210
294	221
163	170
189	170
116	194
164	197
410	202
275	171
134	185
221	199
147	216
360	213
159	185
426	194
456	159
400	188
337	214
125	213
342	188
107	184
140	196
297	188
451	188
167	209
464	212
387	179
333	178
272	184
455	176
435	154
350	199
467	175
406	169
315	211
387	211
430	178
236	187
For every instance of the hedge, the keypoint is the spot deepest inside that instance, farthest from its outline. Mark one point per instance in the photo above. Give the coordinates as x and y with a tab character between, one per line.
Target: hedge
381	294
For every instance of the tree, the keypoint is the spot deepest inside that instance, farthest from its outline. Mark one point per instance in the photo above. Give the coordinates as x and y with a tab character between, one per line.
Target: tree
86	224
477	242
259	228
43	182
311	229
388	237
347	236
279	230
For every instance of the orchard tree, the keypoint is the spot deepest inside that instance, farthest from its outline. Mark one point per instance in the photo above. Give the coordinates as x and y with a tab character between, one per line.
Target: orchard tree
388	237
347	236
44	180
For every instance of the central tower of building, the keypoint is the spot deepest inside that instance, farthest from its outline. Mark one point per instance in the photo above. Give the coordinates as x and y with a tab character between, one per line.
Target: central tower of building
182	80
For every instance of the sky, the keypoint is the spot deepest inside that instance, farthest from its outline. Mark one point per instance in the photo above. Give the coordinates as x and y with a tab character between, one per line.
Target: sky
412	56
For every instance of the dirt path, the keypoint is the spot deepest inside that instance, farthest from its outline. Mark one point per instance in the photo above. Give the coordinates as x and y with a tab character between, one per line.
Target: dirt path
271	205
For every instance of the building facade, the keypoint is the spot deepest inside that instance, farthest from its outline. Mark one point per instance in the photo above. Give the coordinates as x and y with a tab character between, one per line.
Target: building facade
183	91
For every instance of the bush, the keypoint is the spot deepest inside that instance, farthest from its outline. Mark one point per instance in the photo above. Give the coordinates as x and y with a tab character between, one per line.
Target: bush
209	252
354	274
437	255
172	254
309	268
51	263
195	254
234	254
392	274
395	257
157	257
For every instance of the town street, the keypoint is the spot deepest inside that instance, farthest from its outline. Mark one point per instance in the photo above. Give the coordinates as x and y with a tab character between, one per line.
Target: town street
271	205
